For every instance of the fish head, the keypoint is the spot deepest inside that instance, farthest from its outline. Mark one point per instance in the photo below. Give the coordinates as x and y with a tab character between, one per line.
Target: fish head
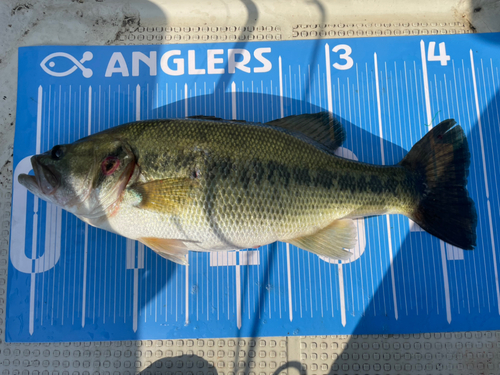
86	178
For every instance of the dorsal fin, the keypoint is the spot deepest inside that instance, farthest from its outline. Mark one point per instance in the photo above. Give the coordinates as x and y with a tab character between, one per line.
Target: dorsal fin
320	127
202	117
213	118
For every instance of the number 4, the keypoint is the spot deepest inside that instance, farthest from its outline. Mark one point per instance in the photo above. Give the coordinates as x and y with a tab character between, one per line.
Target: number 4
443	57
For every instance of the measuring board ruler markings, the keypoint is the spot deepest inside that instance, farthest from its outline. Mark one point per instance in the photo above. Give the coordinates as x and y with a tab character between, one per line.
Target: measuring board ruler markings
72	282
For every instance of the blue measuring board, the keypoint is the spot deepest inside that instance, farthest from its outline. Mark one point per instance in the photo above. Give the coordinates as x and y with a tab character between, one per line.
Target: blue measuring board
68	281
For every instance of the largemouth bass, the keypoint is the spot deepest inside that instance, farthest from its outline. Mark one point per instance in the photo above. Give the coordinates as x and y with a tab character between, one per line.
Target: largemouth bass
207	184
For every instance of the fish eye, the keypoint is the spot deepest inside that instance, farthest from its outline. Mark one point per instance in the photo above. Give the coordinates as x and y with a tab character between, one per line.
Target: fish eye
57	153
110	165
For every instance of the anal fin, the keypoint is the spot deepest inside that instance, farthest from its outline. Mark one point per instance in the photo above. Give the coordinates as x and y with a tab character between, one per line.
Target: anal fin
330	241
173	250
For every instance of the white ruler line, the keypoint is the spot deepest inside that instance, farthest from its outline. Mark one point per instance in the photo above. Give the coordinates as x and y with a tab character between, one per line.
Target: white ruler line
233	101
237	254
279	280
446	282
281	87
187	290
84	291
90	112
33	276
136	299
268	281
469	119
51	234
98	122
398	218
39	120
185	100
177	296
75	274
328	78
138	103
428	110
310	284
287	245
291	87
48	241
389	239
340	101
35	217
330	109
215	100
370	127
157	102
320	286
379	111
195	101
320	98
116	281
166	292
238	289
457	90
59	117
86	243
342	296
223	92
270	104
426	83
228	294
389	231
132	244
485	175
396	314
479	123
290	307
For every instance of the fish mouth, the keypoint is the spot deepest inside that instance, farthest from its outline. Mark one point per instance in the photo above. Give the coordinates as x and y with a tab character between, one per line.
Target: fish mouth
45	181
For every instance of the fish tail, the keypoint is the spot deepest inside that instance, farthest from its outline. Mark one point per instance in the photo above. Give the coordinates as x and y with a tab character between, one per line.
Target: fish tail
439	163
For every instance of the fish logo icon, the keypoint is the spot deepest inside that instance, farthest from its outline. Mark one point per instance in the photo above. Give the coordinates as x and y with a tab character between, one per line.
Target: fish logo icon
78	64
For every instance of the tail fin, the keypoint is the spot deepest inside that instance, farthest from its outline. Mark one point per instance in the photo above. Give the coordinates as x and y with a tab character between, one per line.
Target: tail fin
440	162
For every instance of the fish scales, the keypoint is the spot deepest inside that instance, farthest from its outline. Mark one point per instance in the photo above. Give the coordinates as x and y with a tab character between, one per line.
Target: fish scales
261	186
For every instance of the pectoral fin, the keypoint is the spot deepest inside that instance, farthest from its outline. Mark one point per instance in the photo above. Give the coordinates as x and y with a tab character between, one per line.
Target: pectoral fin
164	196
330	241
173	250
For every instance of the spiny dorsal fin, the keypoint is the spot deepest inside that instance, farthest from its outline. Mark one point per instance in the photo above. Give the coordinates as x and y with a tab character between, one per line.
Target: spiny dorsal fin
167	195
213	118
320	127
202	117
173	250
330	241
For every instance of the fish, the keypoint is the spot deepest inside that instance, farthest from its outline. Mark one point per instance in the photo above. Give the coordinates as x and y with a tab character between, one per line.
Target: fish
203	183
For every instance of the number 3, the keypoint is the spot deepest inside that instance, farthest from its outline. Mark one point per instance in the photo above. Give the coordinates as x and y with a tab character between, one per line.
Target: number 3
346	56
